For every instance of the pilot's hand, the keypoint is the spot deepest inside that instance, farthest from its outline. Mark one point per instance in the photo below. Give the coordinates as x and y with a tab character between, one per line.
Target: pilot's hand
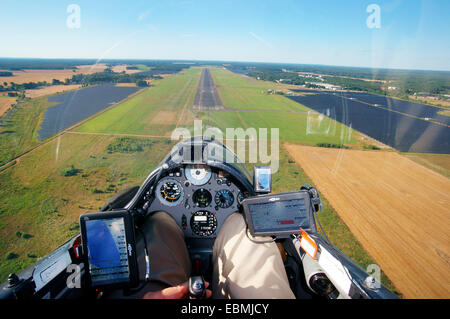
178	292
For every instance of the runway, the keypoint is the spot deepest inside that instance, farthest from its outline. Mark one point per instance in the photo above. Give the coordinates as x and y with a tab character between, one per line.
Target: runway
207	97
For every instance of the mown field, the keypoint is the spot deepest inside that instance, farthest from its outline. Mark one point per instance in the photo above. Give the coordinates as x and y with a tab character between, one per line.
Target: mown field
238	92
19	133
154	112
39	205
257	109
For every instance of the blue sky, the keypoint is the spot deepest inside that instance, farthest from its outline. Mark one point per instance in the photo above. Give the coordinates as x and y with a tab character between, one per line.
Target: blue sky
413	34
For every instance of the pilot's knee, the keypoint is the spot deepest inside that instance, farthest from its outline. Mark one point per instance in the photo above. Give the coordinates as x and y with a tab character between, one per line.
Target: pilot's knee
161	215
235	218
235	222
158	220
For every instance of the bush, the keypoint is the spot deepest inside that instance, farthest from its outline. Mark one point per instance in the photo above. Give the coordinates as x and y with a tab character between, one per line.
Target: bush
72	171
141	83
371	147
128	145
330	145
11	255
27	236
74	226
111	187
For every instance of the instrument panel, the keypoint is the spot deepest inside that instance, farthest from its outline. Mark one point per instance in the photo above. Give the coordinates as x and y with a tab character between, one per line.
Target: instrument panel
197	174
170	192
198	198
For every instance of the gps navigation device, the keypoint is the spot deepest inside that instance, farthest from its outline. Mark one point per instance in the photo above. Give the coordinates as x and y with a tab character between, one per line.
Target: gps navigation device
262	179
109	249
279	215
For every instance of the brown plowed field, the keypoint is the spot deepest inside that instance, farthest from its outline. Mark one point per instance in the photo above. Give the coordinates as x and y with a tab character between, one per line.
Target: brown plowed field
397	209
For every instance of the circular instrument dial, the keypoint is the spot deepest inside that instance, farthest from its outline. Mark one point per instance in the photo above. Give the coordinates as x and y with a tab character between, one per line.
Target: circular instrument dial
170	192
201	197
241	196
203	223
198	174
224	198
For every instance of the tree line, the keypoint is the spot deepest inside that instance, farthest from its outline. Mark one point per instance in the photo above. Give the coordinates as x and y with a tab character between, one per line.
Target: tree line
84	79
406	82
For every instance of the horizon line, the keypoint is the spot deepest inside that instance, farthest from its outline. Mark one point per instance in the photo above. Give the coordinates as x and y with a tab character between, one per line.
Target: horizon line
235	61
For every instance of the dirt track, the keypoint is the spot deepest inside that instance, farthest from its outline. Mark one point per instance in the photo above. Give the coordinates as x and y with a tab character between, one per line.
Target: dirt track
397	209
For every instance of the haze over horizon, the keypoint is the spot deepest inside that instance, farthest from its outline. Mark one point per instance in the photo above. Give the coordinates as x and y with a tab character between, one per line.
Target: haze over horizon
410	34
99	61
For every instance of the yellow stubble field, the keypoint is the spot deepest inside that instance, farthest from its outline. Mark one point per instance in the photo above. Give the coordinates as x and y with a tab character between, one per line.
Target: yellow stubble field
25	76
397	209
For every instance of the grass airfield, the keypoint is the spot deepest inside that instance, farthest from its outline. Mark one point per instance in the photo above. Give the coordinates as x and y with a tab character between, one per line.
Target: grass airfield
167	99
39	206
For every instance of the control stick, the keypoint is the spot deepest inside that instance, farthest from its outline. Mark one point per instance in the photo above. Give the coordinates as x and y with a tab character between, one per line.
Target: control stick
197	287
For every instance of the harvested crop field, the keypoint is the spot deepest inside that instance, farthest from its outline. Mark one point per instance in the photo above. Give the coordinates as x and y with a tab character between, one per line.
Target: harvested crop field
126	84
397	209
25	76
51	90
5	104
123	68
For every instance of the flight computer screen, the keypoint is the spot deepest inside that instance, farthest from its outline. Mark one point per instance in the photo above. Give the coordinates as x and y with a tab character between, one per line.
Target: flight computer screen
279	216
107	251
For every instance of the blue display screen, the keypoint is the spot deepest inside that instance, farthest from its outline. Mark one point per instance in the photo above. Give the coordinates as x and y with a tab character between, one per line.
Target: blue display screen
263	179
107	251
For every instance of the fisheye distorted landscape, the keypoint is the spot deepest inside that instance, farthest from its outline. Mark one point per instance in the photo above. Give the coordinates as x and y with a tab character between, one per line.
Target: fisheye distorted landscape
363	118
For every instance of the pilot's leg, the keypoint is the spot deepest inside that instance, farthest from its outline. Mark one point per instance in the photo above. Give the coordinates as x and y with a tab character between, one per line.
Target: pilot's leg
170	264
169	258
244	269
